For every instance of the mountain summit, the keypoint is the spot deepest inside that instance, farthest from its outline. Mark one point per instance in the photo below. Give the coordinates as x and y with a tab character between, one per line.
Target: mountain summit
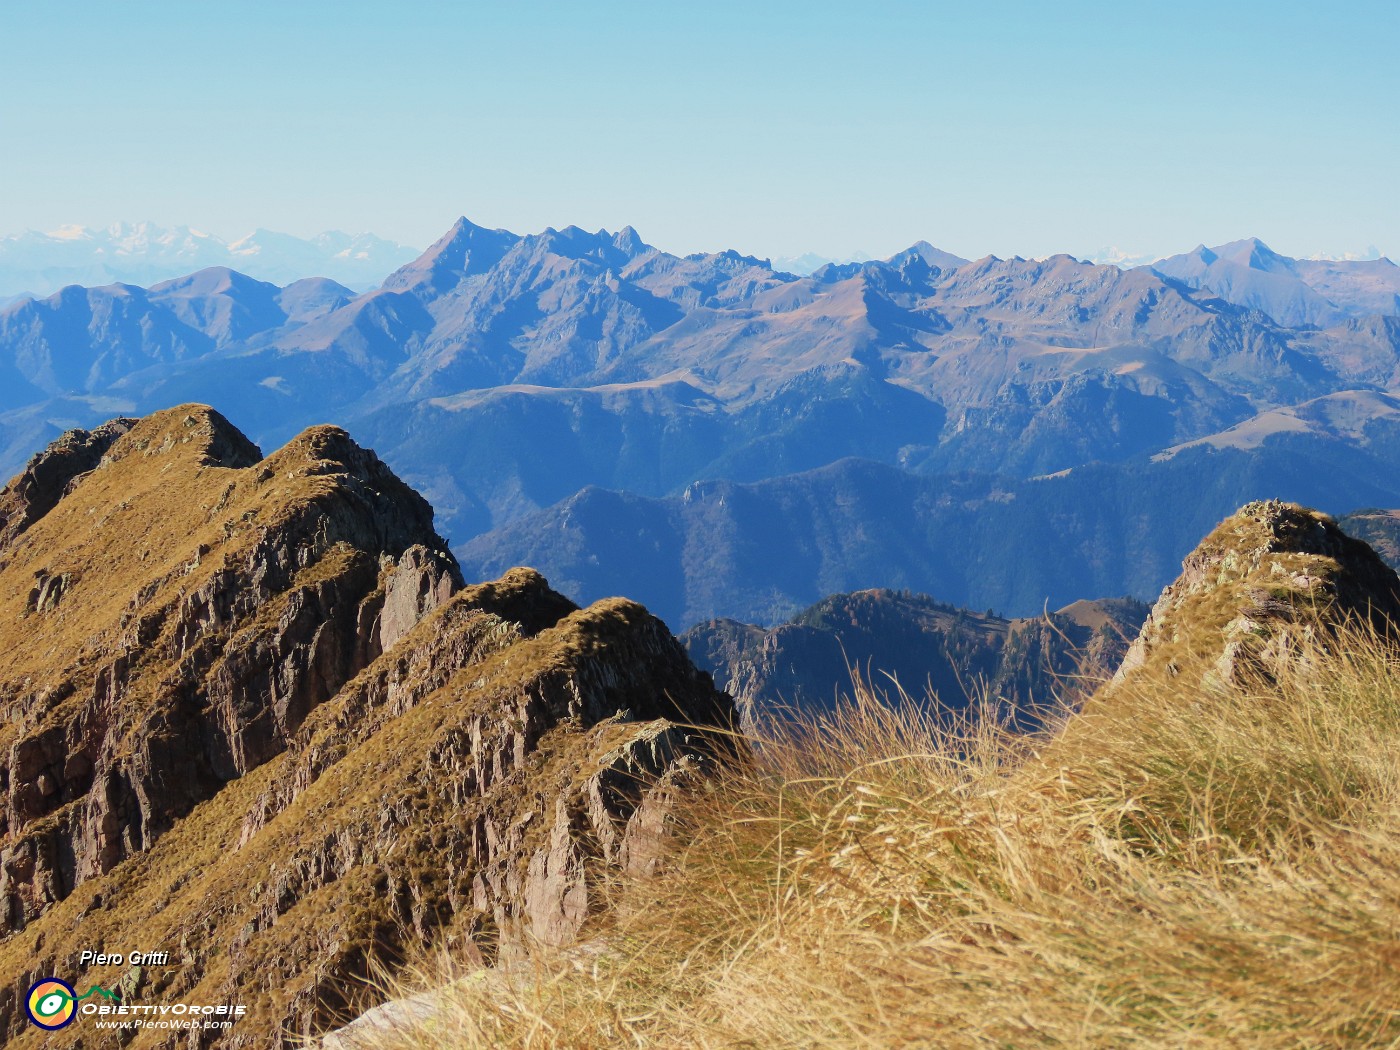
464	249
1294	292
244	693
1268	578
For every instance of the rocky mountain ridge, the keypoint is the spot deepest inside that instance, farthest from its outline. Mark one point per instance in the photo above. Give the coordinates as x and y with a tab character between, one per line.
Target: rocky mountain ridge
503	375
908	645
244	693
81	798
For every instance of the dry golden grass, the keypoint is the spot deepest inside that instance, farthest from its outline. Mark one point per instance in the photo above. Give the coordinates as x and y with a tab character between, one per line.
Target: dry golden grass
1173	867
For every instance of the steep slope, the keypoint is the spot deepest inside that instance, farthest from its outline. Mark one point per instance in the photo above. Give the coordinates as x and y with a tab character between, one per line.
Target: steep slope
897	640
176	607
254	720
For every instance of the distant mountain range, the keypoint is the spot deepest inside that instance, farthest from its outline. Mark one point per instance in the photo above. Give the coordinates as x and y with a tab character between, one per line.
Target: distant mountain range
811	262
39	264
718	437
897	641
1294	292
762	551
1112	255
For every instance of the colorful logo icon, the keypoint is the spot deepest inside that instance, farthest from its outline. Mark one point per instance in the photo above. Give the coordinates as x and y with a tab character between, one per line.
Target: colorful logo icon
52	1004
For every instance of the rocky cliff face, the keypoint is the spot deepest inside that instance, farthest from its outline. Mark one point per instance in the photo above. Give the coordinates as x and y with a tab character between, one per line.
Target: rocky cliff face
1266	578
175	607
252	718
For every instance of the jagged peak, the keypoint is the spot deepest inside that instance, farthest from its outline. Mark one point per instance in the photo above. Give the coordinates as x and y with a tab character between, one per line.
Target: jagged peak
929	254
630	241
464	249
576	243
729	255
571	241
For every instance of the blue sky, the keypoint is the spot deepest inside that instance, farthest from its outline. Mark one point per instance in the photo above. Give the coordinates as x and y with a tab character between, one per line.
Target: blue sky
1013	128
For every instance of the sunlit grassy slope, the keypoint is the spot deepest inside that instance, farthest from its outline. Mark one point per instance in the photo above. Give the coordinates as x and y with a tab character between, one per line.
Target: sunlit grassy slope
1174	866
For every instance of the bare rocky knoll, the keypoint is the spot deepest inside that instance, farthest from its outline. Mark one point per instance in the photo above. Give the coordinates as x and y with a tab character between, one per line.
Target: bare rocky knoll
252	717
1266	579
903	641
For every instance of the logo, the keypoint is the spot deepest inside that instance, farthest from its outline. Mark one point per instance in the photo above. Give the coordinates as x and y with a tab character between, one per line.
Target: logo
52	1004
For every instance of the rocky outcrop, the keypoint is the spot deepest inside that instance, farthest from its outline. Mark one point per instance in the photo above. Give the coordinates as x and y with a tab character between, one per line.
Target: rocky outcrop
37	489
422	580
252	717
1268	578
256	589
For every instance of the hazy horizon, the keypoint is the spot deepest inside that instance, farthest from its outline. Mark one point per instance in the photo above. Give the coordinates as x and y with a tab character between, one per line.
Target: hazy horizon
777	131
1105	254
